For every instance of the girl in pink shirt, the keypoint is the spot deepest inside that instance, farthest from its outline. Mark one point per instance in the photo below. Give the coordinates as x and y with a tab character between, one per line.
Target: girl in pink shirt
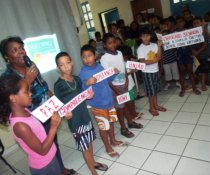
29	132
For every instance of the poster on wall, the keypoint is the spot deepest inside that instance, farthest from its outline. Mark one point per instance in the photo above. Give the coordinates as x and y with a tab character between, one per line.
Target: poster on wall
42	51
183	38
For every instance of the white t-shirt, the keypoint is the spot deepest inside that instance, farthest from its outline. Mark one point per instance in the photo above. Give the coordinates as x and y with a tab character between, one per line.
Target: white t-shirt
116	61
148	52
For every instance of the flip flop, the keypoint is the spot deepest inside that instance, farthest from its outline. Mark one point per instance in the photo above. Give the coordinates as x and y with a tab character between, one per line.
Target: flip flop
161	108
140	114
197	92
122	144
113	154
101	166
154	113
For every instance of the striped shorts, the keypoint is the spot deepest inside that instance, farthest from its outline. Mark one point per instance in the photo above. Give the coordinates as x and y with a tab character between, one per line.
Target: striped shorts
104	116
151	83
84	135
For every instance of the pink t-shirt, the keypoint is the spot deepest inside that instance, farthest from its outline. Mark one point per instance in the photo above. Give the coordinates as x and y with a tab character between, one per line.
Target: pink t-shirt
35	160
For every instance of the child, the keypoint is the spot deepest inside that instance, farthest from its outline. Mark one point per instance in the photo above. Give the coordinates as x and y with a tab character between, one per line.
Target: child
102	102
128	56
119	85
170	66
185	61
66	88
29	132
150	53
200	52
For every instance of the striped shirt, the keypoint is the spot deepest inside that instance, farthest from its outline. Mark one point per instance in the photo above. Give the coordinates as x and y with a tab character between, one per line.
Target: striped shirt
169	56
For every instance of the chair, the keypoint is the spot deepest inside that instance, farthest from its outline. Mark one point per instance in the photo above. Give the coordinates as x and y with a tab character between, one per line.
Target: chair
2	158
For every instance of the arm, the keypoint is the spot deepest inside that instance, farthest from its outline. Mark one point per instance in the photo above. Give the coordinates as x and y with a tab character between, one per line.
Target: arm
24	132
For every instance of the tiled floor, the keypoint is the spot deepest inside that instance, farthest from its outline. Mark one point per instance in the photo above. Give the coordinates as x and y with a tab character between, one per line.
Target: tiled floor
176	142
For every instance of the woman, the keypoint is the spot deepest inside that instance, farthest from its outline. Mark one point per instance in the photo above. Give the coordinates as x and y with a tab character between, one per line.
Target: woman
12	50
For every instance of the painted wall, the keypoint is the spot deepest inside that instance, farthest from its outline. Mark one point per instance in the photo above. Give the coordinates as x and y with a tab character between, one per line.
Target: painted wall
98	6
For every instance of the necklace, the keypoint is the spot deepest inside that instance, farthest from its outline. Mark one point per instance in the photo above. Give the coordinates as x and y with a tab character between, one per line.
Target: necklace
74	86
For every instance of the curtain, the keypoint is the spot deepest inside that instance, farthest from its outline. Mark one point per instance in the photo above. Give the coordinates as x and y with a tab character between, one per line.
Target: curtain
30	18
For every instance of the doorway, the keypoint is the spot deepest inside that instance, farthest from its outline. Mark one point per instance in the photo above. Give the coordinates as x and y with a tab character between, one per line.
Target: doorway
108	17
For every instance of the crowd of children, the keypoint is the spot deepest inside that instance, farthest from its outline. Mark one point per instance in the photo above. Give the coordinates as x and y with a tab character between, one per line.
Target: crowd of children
137	43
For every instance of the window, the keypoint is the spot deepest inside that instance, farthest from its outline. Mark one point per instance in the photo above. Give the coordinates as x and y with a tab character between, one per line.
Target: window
88	17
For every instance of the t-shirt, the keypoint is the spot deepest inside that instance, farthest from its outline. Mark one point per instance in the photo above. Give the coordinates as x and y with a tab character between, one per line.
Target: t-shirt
109	60
169	56
148	52
35	160
66	91
39	93
102	98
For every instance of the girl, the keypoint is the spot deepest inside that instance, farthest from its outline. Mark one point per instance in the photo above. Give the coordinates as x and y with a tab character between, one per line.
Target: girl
66	88
27	131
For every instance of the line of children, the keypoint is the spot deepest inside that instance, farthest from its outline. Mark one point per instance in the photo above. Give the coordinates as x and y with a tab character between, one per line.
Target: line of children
102	102
66	88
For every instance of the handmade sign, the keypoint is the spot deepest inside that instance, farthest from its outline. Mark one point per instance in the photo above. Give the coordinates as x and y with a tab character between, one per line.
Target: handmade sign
183	38
135	65
123	98
104	74
75	102
45	111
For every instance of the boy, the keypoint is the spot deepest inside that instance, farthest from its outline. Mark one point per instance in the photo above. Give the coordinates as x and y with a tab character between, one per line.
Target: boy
119	85
102	102
150	53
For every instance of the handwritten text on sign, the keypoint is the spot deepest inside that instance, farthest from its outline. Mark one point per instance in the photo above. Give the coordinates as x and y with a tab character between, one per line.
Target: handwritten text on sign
135	65
123	98
45	111
184	38
104	74
75	102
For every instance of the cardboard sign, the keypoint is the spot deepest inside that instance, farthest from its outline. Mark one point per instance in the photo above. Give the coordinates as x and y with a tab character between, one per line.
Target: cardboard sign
184	38
135	65
75	102
104	74
45	111
123	98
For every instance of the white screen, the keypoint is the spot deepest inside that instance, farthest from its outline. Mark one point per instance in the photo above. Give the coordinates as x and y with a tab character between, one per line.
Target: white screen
42	51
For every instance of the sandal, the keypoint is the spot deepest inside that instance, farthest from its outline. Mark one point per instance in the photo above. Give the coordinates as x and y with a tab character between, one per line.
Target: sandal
135	125
125	132
113	154
154	113
161	109
139	115
181	93
69	172
197	92
122	144
101	166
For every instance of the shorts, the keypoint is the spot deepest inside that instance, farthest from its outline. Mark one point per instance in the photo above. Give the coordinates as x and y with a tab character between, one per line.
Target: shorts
185	60
122	90
203	68
104	116
84	135
171	71
52	168
132	94
151	82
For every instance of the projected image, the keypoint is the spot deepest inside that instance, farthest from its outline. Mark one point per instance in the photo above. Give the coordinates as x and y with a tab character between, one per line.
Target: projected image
42	50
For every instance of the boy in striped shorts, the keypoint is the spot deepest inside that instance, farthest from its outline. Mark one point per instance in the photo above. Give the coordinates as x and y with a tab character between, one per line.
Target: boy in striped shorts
150	54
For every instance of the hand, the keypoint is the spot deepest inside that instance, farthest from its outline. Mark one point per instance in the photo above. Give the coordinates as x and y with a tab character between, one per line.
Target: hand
91	81
68	116
160	43
91	95
116	71
55	121
31	73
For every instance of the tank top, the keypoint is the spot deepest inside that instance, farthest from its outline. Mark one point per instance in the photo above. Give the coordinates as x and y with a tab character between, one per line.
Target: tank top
35	160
